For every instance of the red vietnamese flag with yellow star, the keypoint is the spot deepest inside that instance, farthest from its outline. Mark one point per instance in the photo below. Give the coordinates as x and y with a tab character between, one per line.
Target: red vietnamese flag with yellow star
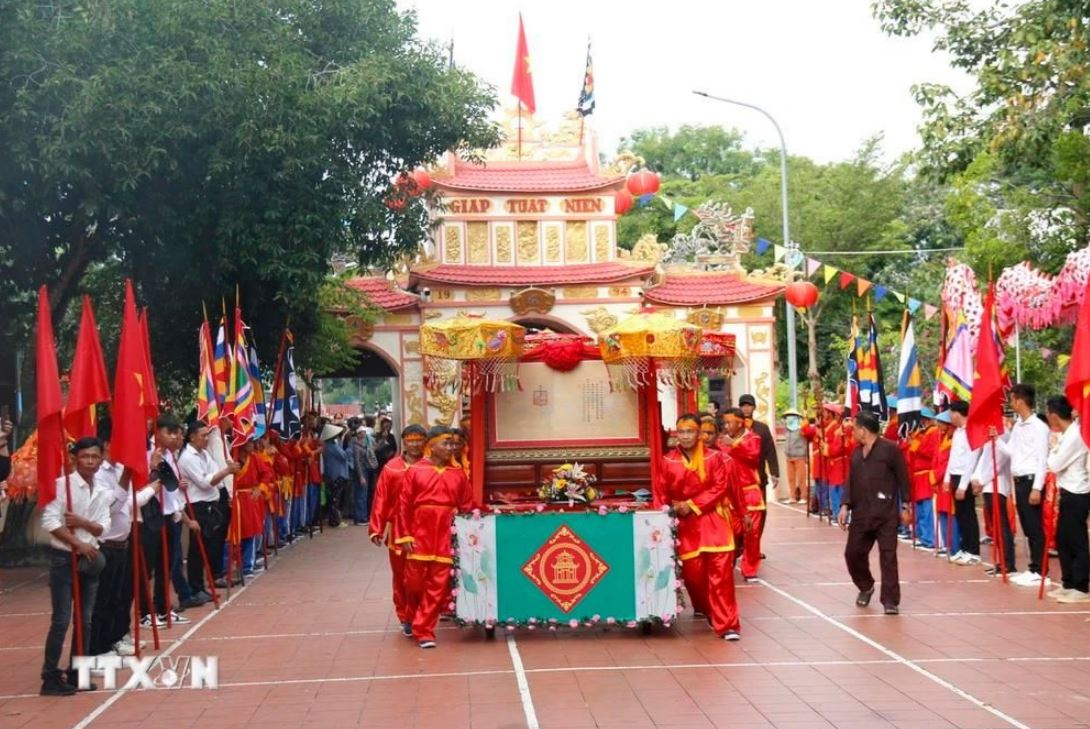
130	429
522	83
1077	388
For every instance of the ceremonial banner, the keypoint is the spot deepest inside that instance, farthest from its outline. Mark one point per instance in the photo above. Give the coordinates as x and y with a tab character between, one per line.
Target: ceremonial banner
555	409
533	569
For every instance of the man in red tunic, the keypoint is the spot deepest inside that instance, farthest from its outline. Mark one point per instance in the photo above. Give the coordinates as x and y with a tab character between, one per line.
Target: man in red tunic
387	493
432	493
695	481
919	455
835	448
744	448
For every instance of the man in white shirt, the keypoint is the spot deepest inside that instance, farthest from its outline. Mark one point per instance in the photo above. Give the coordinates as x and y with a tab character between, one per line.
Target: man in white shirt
984	480
959	472
73	527
111	620
1068	461
201	477
1027	449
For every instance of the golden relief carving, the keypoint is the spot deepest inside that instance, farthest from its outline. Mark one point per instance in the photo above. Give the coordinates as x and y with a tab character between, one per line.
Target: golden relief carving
503	244
758	336
360	329
620	292
452	242
647	250
575	233
532	299
580	292
414	404
434	315
601	243
412	346
477	236
560	455
488	293
529	246
444	374
552	244
395	320
599	319
446	404
763	392
706	318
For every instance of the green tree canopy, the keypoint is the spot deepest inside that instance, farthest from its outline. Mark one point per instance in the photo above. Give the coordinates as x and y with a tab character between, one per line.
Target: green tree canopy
198	144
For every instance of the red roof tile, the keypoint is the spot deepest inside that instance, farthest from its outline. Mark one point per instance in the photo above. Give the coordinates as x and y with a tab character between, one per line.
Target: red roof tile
587	273
712	288
518	177
382	292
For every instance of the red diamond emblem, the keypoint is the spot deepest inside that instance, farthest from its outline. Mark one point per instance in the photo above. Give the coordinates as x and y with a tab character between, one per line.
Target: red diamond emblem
565	569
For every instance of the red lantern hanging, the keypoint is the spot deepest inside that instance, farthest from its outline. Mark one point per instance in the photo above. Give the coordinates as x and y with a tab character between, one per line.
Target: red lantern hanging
622	201
801	294
422	180
643	182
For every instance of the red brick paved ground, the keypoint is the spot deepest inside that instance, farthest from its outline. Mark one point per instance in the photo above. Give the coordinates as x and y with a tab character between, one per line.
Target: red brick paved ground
313	643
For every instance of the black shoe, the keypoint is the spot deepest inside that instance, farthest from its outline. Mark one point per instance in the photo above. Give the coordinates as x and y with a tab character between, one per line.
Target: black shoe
72	678
203	596
407	630
190	603
864	597
892	610
54	684
221	583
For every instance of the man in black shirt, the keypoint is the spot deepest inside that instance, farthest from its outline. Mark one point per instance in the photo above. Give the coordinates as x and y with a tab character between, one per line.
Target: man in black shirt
877	475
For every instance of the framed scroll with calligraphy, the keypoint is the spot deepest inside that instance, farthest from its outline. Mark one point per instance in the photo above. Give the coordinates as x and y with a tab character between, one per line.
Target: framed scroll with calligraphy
573	409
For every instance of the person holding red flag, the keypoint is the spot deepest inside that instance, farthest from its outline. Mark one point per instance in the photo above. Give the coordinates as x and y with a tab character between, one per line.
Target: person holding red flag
694	481
744	448
387	494
433	492
1068	461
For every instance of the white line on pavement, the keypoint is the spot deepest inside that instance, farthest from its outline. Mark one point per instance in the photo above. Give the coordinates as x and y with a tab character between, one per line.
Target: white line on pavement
913	665
523	684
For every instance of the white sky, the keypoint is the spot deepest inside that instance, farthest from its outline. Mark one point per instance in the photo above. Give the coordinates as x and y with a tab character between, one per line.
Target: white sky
823	68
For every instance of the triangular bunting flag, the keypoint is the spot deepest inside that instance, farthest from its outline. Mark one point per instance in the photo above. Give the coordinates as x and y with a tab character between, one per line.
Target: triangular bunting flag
644	199
1046	353
679	211
762	245
1063	359
830	273
880	292
666	201
846	279
899	296
929	311
778	253
914	305
812	266
861	286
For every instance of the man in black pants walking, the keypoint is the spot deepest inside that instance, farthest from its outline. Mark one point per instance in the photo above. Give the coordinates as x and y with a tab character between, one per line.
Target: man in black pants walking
958	473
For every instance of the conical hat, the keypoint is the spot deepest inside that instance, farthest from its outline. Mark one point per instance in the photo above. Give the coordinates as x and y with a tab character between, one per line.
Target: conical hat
330	431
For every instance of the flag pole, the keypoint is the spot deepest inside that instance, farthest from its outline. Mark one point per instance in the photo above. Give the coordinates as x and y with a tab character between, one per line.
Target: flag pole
135	530
997	528
78	612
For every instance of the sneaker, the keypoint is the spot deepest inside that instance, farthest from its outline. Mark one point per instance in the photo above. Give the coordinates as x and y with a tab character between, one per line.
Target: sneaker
427	644
160	620
127	638
985	540
1057	593
54	684
174	618
1073	597
221	583
959	557
973	559
1029	579
731	636
407	630
864	597
122	648
940	552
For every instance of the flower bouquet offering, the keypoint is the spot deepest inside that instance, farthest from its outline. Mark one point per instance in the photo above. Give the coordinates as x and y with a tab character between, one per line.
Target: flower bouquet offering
571	483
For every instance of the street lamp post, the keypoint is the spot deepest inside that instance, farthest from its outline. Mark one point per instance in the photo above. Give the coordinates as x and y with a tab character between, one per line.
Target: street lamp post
791	258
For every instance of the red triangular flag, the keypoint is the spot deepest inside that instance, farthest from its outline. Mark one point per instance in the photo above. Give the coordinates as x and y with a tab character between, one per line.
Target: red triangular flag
1078	368
130	429
151	390
986	404
89	385
522	83
845	279
51	443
